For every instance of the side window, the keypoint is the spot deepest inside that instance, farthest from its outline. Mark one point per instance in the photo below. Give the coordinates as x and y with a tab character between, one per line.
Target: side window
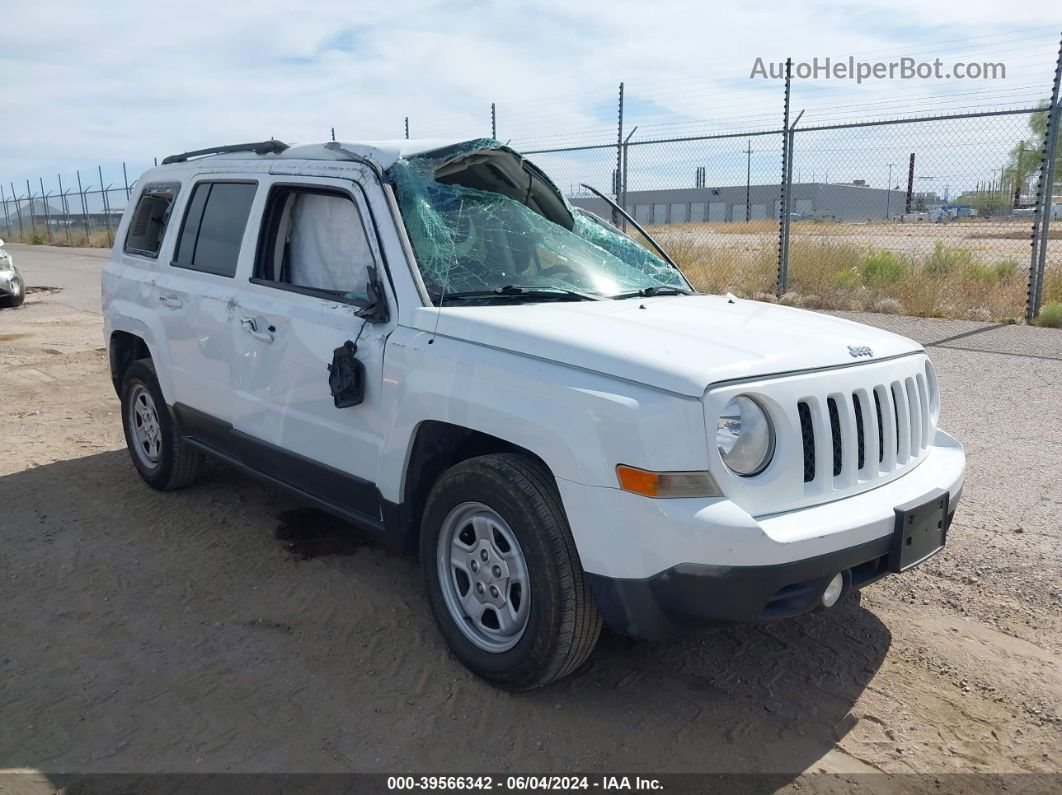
152	214
213	228
314	241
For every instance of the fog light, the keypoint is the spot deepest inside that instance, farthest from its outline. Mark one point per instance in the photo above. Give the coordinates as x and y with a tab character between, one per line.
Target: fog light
833	591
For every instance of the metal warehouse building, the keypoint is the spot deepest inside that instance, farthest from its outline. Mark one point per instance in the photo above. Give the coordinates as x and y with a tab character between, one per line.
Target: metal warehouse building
843	202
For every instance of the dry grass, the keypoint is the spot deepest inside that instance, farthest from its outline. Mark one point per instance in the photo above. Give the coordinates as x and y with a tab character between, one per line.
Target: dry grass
838	273
1051	315
96	237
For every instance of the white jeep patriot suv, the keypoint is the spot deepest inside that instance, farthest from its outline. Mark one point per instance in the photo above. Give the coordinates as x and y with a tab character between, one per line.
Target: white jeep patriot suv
426	339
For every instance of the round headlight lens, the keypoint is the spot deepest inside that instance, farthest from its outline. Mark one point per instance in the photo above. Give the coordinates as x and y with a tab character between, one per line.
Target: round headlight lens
744	436
934	391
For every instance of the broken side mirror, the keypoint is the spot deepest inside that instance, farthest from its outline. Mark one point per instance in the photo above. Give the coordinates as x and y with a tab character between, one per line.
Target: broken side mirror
376	310
346	376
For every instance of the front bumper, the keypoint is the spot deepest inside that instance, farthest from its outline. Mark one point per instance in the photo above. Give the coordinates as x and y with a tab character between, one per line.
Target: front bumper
656	566
10	283
691	595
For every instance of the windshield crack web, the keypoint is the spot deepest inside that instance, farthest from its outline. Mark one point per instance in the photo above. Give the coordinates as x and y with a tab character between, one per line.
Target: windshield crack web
468	238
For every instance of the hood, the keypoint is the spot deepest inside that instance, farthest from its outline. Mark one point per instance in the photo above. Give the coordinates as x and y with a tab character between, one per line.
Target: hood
681	344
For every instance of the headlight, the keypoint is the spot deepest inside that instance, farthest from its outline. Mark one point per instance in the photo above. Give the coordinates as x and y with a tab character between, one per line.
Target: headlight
934	391
745	436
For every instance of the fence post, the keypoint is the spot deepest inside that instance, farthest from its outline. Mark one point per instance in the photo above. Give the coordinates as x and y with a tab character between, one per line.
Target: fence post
626	154
493	122
84	207
66	208
1045	194
18	212
47	215
33	214
616	218
106	206
407	128
782	284
7	216
125	175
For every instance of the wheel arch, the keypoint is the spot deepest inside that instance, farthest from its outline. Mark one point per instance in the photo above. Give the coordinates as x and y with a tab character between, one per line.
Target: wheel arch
124	348
437	446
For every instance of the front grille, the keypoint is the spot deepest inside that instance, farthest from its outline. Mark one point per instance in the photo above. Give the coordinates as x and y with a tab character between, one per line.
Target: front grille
808	435
860	441
835	432
839	430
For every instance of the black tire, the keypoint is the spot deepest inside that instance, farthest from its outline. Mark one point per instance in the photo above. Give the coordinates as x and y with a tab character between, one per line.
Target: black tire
177	464
563	622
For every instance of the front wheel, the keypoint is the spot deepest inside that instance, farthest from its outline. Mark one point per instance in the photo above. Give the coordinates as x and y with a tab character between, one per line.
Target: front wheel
502	573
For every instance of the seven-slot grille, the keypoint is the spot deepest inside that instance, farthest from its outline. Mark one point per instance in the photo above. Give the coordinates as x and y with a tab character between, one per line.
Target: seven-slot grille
864	434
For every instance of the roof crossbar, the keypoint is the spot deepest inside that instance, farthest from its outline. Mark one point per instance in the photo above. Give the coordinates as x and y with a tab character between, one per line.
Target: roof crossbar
272	146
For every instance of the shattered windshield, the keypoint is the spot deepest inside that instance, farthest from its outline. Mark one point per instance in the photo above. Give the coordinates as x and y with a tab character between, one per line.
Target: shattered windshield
486	222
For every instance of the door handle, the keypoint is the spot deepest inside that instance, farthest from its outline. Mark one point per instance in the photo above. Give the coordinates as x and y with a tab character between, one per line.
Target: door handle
250	325
171	301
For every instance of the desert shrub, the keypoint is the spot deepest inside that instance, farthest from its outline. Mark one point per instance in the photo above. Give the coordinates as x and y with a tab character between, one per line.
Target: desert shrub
848	280
944	260
1053	284
1051	315
881	268
1005	270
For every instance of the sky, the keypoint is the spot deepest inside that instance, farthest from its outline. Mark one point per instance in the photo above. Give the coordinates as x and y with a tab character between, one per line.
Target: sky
99	84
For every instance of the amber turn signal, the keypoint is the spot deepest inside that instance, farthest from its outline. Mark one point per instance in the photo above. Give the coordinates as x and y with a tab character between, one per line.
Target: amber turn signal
666	484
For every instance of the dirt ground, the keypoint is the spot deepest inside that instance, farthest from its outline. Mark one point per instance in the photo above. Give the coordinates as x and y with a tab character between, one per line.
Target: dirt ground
225	628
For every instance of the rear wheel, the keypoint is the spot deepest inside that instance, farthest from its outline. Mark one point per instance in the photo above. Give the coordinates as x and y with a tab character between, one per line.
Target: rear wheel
502	573
159	453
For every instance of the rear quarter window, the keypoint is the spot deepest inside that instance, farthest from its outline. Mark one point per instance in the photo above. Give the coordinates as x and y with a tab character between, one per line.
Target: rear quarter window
147	227
213	227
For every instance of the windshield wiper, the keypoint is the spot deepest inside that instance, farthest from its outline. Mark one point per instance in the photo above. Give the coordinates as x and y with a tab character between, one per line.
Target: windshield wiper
530	293
649	292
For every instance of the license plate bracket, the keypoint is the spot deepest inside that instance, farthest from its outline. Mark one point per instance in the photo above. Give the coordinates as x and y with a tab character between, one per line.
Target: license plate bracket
920	532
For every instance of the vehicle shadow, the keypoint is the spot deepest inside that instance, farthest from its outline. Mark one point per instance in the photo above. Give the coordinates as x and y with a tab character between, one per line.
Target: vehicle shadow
224	628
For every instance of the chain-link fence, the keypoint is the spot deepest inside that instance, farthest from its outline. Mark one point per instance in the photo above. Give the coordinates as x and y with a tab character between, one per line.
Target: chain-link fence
946	215
934	216
81	214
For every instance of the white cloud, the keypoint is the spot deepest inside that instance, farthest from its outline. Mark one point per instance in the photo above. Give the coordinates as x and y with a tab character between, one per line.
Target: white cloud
107	82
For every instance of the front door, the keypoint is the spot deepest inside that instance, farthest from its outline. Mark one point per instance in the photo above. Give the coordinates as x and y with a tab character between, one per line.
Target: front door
301	302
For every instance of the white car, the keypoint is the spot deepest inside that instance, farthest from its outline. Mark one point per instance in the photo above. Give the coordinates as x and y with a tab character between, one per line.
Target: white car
12	286
424	338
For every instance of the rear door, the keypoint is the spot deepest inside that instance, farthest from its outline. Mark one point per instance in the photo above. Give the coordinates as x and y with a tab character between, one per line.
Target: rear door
196	293
301	301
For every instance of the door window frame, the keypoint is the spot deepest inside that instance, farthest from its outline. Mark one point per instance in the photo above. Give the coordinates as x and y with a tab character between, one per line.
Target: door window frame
185	210
268	227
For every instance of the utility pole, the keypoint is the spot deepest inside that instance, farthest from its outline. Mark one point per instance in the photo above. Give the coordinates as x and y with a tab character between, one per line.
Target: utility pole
888	192
493	122
748	182
333	133
407	128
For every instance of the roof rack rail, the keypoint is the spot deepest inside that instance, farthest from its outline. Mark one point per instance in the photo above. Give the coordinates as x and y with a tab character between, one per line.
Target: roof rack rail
272	146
